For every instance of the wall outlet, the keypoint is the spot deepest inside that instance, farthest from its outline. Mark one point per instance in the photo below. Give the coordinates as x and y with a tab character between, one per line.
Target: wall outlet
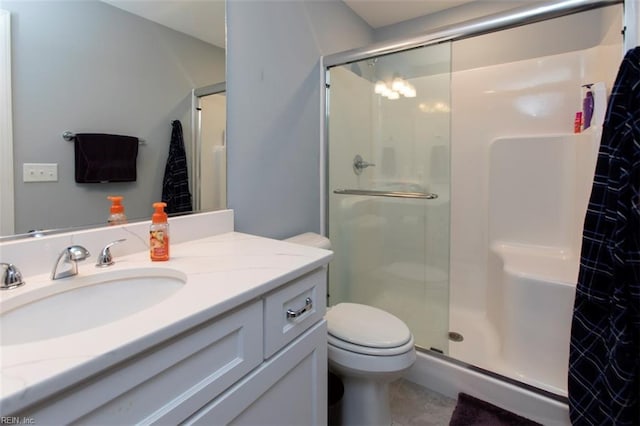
39	172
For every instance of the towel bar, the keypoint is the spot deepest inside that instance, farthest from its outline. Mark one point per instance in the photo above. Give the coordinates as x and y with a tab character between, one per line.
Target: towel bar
70	136
419	195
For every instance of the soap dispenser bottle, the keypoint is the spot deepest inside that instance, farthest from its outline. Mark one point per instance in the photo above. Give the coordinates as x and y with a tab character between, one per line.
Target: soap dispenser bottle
159	234
116	216
587	107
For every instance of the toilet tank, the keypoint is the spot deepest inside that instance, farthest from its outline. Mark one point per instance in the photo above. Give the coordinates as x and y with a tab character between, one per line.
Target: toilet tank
311	239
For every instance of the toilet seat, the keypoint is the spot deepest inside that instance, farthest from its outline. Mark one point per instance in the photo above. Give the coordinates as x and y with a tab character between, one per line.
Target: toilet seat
367	330
367	350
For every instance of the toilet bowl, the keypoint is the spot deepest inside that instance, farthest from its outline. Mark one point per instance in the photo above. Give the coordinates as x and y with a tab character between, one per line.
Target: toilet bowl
368	348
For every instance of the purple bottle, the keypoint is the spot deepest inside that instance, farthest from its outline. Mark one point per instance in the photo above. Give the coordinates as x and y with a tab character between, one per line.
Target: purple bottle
587	107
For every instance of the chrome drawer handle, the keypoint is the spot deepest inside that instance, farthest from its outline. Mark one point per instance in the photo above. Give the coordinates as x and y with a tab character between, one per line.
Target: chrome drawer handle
291	314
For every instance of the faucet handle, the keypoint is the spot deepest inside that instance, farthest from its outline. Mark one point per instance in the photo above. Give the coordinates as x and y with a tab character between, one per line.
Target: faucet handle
76	253
359	164
105	258
11	276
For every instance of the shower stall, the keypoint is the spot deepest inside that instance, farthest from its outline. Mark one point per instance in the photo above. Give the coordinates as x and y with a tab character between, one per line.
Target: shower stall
456	185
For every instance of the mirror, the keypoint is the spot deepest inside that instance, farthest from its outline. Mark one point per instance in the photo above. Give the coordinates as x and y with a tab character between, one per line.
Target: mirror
99	67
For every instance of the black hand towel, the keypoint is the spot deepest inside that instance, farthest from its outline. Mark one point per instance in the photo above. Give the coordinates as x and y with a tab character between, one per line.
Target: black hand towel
175	185
105	158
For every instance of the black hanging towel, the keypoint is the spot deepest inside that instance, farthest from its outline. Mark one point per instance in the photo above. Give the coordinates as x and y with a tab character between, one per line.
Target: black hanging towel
604	359
175	185
101	158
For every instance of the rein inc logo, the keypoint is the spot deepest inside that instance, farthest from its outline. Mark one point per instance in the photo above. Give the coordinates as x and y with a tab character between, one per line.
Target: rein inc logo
16	420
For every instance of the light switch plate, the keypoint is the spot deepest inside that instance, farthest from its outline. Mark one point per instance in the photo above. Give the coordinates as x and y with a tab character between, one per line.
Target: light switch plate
39	172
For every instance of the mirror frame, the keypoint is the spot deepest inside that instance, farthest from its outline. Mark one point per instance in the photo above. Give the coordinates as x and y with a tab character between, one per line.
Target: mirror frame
7	219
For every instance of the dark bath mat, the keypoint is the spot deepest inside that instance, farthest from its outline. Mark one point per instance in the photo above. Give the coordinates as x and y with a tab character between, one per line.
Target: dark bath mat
471	411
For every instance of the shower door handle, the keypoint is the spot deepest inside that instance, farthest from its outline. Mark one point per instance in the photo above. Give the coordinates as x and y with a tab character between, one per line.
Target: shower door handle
359	164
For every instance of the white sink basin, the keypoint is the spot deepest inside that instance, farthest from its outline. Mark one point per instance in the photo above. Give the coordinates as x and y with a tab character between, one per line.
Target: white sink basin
80	303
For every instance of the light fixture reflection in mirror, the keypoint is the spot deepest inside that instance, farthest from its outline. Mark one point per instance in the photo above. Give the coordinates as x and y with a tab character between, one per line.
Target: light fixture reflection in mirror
89	67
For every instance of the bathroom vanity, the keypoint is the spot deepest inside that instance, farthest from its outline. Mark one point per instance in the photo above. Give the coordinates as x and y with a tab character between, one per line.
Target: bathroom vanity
237	338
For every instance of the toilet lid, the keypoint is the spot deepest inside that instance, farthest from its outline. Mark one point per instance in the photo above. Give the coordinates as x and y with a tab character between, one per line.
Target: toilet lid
366	326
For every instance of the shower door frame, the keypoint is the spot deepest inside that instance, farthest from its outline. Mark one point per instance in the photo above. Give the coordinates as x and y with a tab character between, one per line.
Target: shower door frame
493	23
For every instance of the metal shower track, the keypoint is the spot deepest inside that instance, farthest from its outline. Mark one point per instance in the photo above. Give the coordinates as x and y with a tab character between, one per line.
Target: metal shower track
497	22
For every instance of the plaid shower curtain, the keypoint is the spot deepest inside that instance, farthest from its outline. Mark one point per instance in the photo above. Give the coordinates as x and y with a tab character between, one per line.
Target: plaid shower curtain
604	360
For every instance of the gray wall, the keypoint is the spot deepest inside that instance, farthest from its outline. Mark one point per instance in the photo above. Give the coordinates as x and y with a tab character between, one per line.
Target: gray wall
85	66
273	108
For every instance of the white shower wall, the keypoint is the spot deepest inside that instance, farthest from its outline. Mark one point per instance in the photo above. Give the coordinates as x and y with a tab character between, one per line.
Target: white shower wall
520	184
350	128
536	96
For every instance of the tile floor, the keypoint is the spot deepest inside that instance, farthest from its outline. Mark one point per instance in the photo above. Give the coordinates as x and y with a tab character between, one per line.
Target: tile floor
413	405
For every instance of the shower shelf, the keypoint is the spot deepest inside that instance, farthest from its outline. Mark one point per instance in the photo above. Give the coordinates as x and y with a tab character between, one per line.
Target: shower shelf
419	195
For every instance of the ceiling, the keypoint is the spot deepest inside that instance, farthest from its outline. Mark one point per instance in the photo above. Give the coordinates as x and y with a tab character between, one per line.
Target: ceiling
380	13
202	19
195	17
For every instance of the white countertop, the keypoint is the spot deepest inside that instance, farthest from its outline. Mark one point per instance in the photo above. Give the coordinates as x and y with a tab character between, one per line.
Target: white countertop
223	272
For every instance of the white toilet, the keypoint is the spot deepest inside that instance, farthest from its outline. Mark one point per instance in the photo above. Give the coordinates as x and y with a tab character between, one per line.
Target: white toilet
367	348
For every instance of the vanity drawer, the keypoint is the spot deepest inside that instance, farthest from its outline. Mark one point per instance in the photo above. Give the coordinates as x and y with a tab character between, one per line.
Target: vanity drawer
294	308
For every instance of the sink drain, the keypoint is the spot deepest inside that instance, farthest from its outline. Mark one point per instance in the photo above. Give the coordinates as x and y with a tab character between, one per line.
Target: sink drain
455	337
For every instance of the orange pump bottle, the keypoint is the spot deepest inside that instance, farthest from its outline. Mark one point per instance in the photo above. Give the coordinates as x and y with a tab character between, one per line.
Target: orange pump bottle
159	234
116	216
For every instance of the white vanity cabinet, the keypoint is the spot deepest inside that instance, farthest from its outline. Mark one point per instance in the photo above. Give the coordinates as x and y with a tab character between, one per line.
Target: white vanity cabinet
263	362
290	387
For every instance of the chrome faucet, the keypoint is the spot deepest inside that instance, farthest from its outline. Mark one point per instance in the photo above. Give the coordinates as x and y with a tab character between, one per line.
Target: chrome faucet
69	260
105	258
11	276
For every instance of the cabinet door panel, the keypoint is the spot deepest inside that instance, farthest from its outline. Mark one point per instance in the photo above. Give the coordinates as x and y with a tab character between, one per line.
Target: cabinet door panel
289	389
170	382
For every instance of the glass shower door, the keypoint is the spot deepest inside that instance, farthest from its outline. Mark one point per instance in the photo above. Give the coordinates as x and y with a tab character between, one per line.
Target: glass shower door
388	218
